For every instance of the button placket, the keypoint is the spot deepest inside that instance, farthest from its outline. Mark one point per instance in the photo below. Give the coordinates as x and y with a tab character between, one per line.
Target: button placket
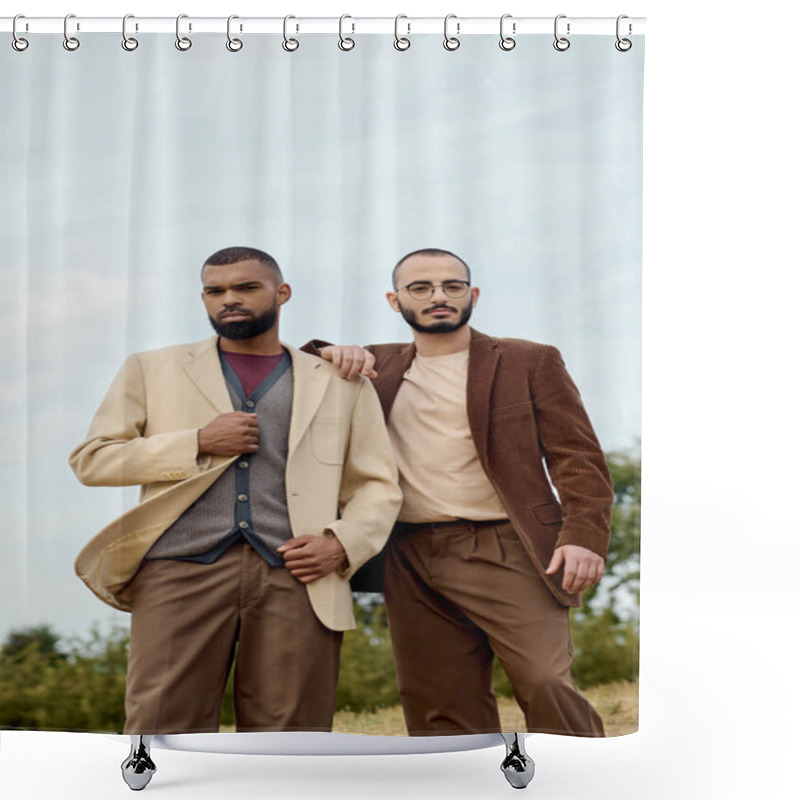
243	514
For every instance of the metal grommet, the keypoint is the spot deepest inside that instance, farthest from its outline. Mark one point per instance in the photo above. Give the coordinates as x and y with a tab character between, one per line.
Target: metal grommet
128	42
289	45
561	43
182	42
70	42
507	42
234	45
18	43
401	42
345	42
451	42
623	45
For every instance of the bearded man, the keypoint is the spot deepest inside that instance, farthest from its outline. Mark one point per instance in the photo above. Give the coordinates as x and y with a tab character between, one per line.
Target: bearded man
267	480
485	559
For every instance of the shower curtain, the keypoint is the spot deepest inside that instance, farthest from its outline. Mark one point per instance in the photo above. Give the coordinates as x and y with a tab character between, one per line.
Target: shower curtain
123	170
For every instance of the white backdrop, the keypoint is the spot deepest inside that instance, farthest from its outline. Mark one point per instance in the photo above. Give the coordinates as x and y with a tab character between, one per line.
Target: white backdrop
719	597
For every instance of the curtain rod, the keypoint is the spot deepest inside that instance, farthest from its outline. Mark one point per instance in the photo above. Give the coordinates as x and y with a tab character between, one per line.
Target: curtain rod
405	25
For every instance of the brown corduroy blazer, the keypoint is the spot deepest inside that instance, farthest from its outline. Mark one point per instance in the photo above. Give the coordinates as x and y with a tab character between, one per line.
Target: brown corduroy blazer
524	411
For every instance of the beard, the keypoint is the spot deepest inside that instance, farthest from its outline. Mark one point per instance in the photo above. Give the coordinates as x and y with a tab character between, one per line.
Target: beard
248	328
440	326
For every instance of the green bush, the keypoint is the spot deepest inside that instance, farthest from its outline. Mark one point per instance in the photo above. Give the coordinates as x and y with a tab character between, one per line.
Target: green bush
606	649
367	678
45	685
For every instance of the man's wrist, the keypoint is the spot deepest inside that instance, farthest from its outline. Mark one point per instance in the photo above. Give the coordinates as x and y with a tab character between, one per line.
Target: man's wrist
344	565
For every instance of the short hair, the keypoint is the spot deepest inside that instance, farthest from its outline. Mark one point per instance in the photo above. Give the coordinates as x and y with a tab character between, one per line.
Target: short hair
428	251
233	255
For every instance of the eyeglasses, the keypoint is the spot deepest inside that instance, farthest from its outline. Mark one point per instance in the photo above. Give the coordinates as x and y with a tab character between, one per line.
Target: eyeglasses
423	290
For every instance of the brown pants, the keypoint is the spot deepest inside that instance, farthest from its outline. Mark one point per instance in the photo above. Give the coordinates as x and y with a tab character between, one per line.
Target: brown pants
187	619
455	598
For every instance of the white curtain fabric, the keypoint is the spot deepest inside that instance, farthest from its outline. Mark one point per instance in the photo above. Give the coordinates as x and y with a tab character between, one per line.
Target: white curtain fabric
122	172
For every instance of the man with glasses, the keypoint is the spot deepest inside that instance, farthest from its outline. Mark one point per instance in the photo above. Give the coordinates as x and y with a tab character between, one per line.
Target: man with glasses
484	561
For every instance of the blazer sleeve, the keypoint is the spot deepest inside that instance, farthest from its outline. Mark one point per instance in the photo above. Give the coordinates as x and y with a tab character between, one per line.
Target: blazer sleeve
369	495
574	458
117	450
313	346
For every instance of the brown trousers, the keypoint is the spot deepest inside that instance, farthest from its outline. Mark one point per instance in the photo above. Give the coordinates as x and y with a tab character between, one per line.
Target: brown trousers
460	595
186	622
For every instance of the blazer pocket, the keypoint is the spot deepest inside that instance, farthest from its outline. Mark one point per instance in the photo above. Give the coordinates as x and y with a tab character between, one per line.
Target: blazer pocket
521	406
515	409
327	439
516	414
549	513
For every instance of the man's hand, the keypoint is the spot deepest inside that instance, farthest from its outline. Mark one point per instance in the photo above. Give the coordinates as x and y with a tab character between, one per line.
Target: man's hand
582	567
310	558
229	435
350	359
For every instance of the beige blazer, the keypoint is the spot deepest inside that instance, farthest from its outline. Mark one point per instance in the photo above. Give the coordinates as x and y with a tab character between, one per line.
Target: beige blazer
340	471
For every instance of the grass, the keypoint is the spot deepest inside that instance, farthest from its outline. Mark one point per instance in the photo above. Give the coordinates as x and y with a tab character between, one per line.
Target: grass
617	704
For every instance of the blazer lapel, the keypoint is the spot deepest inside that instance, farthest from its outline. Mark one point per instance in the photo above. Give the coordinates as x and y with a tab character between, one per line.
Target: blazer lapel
390	376
310	384
484	355
202	365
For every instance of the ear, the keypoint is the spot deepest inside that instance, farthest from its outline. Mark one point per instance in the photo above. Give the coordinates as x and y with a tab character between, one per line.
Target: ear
476	293
391	298
283	293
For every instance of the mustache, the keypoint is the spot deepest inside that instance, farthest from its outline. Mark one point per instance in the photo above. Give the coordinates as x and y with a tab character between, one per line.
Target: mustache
441	306
238	311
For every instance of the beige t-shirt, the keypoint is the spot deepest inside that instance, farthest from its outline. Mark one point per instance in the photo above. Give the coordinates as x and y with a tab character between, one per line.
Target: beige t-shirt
440	474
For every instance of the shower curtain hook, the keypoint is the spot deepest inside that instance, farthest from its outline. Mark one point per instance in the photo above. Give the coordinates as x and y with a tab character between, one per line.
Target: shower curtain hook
70	42
401	42
451	42
345	42
182	42
561	43
623	45
18	43
128	42
507	42
234	45
289	45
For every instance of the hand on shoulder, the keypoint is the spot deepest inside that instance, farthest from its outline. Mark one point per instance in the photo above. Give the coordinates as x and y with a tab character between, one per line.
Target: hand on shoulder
351	360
